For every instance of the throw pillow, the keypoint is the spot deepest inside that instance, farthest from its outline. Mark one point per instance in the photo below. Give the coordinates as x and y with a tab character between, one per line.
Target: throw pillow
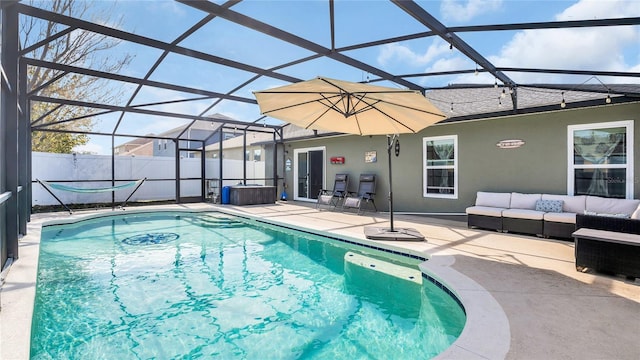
549	205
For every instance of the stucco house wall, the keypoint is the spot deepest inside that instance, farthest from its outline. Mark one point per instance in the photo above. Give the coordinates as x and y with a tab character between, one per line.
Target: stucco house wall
540	165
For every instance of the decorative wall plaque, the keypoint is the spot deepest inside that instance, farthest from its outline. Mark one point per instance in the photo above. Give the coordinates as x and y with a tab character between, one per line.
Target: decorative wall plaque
510	144
370	156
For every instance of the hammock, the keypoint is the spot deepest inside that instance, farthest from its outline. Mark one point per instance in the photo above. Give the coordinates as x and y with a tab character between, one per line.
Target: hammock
46	185
91	190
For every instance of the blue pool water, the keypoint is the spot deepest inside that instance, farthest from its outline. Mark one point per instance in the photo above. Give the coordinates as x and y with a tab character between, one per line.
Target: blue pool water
187	285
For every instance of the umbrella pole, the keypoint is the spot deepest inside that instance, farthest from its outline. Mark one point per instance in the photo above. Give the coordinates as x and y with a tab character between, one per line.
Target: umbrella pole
390	141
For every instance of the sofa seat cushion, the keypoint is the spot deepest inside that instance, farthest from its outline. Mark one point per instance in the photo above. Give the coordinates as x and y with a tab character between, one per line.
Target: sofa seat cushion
485	211
571	204
560	217
524	201
523	214
620	215
491	199
601	205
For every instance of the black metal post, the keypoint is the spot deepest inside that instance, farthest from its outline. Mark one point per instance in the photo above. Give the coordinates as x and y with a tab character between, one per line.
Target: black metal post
177	147
244	158
24	144
113	172
29	165
275	163
390	141
220	160
203	175
10	169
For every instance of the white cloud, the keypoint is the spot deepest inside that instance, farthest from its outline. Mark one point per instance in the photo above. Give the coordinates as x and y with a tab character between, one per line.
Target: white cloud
437	58
600	48
461	10
598	9
402	54
451	64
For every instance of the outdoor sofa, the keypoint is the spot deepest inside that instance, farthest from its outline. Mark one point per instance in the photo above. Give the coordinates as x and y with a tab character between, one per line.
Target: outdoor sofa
546	215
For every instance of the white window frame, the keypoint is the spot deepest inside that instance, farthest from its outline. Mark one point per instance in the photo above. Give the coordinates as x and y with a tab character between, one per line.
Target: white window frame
571	167
295	170
454	167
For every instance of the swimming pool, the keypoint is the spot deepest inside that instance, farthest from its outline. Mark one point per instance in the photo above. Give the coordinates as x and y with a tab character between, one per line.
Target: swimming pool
187	285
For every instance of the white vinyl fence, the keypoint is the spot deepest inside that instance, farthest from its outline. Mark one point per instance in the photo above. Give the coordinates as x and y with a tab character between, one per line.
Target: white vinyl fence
77	168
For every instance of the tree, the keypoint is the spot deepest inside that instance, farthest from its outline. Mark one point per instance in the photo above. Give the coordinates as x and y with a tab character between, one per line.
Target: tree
77	48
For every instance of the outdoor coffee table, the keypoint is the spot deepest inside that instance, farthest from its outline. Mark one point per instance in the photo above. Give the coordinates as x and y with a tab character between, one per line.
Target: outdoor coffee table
607	251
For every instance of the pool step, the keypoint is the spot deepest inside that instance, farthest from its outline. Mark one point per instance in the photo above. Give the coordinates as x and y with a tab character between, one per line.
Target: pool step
398	271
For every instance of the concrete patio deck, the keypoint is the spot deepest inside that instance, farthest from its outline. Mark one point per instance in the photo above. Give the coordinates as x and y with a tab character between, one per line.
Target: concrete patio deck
551	311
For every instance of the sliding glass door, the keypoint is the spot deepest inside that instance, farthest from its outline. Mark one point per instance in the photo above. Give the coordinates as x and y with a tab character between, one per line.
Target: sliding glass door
309	173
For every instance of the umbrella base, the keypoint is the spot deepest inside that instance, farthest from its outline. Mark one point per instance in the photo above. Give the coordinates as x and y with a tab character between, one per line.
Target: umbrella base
399	234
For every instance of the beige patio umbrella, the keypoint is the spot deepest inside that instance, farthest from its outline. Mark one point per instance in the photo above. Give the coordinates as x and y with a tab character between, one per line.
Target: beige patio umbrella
354	108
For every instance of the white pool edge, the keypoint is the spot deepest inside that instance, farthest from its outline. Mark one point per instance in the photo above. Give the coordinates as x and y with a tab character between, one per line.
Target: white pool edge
17	297
486	334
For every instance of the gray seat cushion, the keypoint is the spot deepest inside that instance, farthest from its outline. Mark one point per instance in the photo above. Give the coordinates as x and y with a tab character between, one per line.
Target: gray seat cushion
485	211
562	217
491	199
523	214
524	201
602	205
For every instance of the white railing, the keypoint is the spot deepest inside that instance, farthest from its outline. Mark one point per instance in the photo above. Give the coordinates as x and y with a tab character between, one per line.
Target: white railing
5	196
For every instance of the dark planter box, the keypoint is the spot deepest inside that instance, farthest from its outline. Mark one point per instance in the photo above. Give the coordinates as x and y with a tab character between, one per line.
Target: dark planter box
252	195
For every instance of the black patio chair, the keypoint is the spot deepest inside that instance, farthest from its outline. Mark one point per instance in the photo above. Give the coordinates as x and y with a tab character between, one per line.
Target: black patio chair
364	195
332	198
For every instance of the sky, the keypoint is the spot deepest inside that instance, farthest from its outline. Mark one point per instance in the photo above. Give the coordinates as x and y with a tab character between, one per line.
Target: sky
605	48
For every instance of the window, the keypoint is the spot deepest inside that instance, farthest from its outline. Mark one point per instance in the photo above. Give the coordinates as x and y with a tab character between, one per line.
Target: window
600	158
257	154
440	177
247	155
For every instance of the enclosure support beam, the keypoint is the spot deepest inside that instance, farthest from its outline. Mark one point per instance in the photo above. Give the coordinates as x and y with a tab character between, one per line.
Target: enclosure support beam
275	163
176	143
9	139
203	173
29	165
244	157
24	144
220	159
113	171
